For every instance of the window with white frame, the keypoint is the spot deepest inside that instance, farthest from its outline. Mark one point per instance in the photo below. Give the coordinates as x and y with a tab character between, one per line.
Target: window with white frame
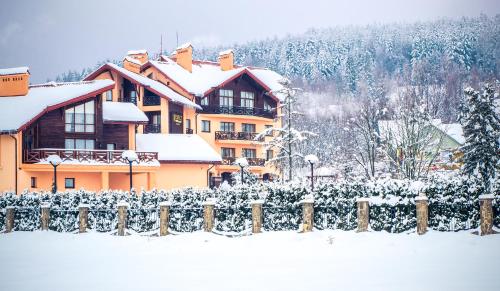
225	98
267	106
248	153
80	118
247	99
79	144
204	101
227	126
248	127
109	95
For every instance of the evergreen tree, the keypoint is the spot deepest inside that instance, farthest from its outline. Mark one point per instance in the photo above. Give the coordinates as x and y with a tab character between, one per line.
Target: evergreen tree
286	141
481	126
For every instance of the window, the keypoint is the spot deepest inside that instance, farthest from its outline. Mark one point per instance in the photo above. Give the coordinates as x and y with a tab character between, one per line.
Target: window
249	153
79	144
111	146
269	155
247	99
267	106
156	119
80	118
226	98
188	123
269	132
227	152
33	182
227	126
133	94
109	95
248	127
204	101
205	126
69	183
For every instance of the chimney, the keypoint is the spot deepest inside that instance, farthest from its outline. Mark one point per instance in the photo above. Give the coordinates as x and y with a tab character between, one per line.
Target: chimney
134	60
226	60
14	81
184	56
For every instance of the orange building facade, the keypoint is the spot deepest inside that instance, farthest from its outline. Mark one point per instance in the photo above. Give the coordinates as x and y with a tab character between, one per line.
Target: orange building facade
187	120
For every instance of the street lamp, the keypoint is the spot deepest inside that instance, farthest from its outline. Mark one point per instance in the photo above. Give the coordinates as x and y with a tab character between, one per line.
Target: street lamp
130	156
311	159
55	161
242	162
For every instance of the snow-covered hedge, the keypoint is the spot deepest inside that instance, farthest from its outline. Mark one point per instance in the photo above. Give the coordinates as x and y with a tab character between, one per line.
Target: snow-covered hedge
453	205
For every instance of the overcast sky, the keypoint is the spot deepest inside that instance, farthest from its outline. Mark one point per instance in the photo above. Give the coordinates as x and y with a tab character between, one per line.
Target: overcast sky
52	37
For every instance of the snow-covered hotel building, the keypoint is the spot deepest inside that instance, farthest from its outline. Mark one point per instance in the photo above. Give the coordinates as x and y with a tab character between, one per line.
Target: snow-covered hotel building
188	120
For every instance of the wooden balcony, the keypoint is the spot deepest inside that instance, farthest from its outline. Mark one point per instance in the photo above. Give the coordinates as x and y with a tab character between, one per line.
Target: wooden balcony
233	135
237	110
152	128
89	156
128	100
253	162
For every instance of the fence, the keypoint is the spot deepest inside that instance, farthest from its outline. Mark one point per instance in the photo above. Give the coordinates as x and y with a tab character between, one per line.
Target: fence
362	215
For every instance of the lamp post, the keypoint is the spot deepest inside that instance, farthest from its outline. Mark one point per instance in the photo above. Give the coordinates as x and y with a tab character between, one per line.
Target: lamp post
242	162
311	159
130	156
55	161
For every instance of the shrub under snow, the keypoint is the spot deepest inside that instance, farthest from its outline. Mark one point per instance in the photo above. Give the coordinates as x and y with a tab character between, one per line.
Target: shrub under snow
453	206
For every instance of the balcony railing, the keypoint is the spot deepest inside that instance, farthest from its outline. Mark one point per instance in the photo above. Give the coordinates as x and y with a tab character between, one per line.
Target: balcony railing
152	128
233	135
151	100
128	100
237	110
99	156
255	162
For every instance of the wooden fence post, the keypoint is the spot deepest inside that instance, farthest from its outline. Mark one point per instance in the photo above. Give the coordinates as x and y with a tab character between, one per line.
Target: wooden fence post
45	215
307	213
208	214
9	218
486	213
363	213
256	215
122	217
164	217
422	204
83	217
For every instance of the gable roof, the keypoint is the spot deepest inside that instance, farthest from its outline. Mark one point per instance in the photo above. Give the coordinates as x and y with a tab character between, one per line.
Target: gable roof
178	148
152	85
207	76
16	113
122	112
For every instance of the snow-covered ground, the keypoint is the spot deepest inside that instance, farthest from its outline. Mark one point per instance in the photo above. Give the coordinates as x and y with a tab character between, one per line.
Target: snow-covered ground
322	260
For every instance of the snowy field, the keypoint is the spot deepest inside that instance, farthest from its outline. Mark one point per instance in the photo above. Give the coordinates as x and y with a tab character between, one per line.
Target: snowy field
323	260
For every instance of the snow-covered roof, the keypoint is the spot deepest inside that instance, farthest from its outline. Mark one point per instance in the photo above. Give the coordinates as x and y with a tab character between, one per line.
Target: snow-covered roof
150	84
208	75
178	147
132	60
226	52
137	52
14	71
20	110
393	128
183	46
122	112
454	130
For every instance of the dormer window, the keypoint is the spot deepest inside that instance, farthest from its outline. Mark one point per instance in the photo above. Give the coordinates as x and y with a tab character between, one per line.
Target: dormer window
80	118
204	101
247	99
226	98
267	106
